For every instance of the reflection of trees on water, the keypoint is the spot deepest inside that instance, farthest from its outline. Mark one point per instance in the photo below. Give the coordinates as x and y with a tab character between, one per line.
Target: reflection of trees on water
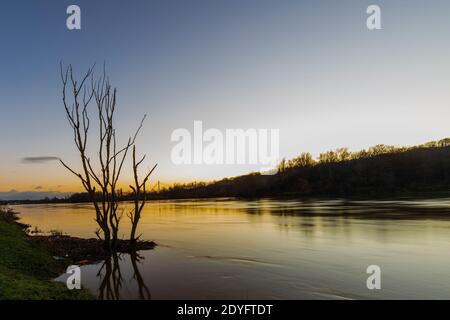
112	279
144	292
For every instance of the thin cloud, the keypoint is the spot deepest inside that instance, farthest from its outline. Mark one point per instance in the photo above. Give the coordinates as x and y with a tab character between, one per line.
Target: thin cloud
39	159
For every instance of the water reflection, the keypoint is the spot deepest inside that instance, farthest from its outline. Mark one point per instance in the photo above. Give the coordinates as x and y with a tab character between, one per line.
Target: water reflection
270	249
144	292
111	279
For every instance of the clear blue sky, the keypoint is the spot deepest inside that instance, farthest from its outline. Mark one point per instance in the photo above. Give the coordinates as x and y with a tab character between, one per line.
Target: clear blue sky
309	68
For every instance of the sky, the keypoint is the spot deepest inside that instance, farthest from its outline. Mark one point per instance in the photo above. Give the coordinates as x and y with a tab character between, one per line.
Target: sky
311	69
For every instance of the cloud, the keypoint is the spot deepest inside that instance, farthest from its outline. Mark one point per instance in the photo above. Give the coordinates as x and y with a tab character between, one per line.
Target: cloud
38	188
39	159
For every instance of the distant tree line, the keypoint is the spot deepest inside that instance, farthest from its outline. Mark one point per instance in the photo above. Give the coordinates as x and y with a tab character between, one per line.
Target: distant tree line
381	170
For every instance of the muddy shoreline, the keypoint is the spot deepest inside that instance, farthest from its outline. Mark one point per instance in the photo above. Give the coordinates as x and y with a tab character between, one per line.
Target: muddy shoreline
76	250
86	251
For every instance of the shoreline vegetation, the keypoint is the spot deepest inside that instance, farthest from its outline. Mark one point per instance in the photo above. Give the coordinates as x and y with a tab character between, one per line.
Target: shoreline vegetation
27	268
26	272
380	171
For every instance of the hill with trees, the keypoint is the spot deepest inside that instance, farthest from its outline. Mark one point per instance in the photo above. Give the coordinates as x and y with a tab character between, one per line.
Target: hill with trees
381	170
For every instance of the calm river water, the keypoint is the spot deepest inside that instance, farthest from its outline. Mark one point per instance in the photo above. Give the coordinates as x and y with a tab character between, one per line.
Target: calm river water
269	249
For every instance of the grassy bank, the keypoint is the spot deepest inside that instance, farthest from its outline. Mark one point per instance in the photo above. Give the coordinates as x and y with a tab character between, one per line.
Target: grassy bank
26	267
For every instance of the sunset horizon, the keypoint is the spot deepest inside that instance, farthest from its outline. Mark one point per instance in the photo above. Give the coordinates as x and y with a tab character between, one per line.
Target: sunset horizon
41	192
296	88
224	159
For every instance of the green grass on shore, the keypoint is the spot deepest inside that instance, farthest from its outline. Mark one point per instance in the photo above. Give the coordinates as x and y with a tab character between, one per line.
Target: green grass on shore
26	268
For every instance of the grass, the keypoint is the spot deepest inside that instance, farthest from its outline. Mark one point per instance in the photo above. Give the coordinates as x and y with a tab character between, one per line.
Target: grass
26	268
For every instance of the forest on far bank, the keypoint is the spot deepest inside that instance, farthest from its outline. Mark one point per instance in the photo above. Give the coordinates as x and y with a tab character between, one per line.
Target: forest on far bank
380	171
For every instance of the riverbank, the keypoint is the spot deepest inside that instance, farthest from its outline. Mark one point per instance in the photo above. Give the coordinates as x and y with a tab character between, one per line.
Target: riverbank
27	267
86	251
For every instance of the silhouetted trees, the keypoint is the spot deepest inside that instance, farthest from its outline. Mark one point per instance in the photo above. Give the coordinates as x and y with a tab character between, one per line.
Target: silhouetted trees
100	180
139	195
380	170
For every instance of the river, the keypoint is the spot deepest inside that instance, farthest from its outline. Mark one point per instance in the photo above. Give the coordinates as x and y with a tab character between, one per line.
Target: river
269	249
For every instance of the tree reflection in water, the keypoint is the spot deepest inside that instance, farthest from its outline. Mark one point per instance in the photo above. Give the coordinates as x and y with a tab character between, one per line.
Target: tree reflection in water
144	292
112	279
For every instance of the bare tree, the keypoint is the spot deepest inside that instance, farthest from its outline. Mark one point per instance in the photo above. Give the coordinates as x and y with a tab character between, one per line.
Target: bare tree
139	195
101	185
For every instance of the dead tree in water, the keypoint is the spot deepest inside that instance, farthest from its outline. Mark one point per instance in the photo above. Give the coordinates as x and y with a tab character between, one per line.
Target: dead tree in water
99	182
139	196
